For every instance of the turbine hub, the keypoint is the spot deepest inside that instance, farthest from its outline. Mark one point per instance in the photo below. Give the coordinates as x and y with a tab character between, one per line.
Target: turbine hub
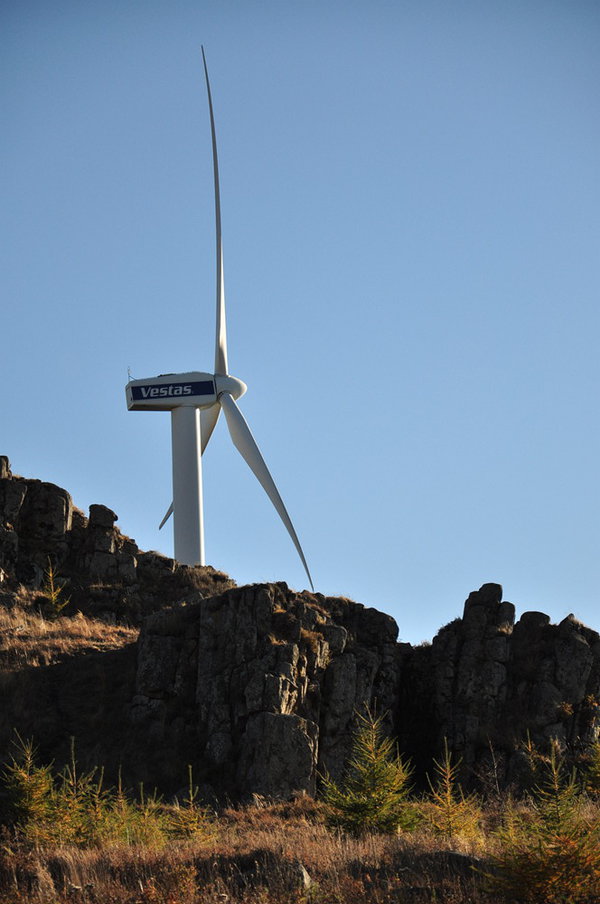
236	388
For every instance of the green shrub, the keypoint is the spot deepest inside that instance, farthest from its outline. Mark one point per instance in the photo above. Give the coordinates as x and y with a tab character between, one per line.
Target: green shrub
75	808
550	851
372	796
30	788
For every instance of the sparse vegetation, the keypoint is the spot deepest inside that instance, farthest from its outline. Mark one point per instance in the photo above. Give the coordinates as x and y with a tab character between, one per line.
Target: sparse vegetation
74	808
373	795
313	639
449	812
70	839
53	591
591	770
549	849
28	638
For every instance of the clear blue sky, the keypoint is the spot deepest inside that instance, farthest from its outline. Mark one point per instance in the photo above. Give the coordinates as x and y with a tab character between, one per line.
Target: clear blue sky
411	225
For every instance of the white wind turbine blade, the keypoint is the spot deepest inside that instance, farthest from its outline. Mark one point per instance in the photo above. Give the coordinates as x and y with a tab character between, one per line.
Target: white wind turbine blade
248	449
221	337
208	422
167	516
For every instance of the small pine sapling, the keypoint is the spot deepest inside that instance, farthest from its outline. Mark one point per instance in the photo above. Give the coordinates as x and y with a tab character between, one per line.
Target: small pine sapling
188	820
372	796
52	590
591	772
449	811
557	798
551	851
30	787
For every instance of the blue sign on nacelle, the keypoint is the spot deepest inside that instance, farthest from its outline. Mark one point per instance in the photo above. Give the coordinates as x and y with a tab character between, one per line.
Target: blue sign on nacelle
168	391
142	393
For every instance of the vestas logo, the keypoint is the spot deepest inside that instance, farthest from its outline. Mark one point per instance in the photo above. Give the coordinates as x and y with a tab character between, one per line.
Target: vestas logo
172	390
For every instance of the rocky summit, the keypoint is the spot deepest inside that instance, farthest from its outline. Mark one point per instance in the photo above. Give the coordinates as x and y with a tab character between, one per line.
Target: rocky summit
258	687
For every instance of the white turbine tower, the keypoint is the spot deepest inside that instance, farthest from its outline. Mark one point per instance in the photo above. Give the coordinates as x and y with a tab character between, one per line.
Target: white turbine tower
195	401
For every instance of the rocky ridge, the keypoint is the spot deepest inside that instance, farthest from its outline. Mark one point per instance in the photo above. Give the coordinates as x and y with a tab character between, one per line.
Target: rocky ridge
258	687
105	572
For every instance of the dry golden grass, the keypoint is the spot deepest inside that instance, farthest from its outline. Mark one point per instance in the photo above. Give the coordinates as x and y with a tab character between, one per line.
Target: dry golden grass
28	638
312	639
265	854
283	853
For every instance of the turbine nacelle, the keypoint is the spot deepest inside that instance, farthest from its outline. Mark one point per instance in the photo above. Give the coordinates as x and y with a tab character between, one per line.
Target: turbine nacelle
192	390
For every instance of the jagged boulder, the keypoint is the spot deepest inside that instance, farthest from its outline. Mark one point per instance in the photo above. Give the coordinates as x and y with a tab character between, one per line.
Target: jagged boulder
35	520
554	679
470	660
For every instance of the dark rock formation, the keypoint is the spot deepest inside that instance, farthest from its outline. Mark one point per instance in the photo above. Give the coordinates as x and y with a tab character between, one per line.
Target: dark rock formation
486	684
259	687
106	574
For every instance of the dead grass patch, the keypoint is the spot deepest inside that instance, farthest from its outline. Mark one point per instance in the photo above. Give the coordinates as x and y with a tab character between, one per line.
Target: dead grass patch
266	853
285	862
29	639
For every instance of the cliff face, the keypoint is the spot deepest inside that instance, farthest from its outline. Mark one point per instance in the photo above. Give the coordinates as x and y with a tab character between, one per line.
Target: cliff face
258	687
261	685
486	684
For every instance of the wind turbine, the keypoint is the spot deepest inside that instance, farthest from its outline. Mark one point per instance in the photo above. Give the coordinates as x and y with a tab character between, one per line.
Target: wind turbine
195	400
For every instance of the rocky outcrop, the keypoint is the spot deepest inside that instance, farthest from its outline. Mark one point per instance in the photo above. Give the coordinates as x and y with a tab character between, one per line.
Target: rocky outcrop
259	687
491	684
104	572
35	520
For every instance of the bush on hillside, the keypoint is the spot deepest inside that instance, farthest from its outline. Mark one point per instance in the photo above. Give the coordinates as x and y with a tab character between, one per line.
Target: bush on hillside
75	808
550	849
372	796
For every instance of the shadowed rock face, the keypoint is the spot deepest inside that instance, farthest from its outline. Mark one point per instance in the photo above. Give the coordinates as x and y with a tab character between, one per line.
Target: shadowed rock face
491	683
264	685
258	687
261	684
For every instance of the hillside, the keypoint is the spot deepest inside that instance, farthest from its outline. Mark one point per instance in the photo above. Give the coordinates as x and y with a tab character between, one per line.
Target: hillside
151	666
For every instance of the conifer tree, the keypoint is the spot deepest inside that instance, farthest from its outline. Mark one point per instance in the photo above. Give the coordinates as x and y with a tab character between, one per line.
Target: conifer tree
449	811
372	796
550	852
